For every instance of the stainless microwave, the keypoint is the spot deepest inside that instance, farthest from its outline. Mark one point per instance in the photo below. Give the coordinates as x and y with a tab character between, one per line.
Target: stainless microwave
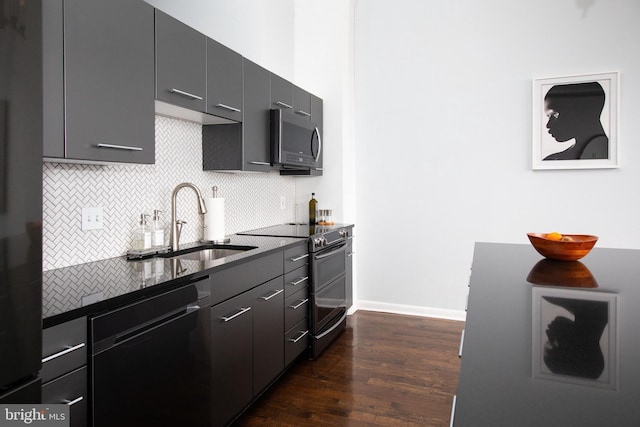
295	141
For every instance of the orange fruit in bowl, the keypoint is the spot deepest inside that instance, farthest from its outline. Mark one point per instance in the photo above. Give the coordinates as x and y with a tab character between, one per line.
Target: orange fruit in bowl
554	236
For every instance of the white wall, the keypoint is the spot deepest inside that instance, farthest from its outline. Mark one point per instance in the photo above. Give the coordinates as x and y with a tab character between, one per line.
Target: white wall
443	128
260	30
323	61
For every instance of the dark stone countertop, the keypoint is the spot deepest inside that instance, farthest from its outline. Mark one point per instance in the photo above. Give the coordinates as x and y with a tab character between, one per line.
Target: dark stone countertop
551	343
94	287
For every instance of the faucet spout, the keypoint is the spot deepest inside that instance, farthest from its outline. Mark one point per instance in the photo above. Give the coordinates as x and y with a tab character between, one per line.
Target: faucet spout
202	209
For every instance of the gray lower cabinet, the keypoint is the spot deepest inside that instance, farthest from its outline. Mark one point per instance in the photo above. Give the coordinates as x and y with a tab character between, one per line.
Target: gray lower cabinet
64	368
247	323
268	325
247	351
232	357
224	81
296	306
180	63
98	63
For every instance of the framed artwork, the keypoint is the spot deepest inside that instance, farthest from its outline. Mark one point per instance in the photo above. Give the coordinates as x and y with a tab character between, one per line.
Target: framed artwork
575	336
575	122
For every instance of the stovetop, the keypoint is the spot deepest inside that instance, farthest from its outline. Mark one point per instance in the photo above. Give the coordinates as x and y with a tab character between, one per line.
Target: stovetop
293	230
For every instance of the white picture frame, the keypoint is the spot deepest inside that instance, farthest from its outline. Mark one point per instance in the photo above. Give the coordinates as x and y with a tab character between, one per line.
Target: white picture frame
570	137
554	314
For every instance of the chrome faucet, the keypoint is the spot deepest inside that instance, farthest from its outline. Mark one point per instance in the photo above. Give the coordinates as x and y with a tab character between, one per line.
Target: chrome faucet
202	209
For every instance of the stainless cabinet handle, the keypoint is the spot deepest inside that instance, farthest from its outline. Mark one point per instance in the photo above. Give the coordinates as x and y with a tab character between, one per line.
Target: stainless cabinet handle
228	107
72	402
300	304
299	258
461	344
261	163
302	335
279	291
241	312
119	147
300	280
303	113
350	254
282	104
187	94
68	349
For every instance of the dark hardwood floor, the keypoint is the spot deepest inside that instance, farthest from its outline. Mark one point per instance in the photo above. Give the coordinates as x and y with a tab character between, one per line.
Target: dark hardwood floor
384	370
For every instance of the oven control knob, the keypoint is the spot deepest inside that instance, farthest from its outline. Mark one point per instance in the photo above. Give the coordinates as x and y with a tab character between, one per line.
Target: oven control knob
344	233
319	241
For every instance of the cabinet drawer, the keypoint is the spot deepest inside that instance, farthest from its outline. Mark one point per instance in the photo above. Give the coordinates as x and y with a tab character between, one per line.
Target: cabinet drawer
72	390
236	280
64	348
296	257
296	280
296	308
296	340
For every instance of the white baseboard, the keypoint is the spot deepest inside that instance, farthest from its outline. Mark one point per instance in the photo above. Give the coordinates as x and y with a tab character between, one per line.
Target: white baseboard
408	310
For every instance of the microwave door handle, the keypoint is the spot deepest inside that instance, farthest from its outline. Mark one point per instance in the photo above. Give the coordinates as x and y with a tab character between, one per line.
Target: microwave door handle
317	132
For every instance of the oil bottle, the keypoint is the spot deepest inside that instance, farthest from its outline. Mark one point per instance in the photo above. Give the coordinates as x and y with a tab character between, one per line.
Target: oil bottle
313	206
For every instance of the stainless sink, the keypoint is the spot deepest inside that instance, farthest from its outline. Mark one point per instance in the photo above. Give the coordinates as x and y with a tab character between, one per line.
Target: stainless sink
208	253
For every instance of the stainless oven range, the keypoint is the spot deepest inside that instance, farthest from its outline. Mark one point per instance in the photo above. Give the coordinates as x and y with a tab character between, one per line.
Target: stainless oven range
327	272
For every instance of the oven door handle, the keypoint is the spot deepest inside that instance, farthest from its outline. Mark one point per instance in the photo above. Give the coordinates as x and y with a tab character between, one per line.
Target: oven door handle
336	325
331	252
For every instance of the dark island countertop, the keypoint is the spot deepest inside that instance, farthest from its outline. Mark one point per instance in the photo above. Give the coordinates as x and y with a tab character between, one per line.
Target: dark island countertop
95	287
550	342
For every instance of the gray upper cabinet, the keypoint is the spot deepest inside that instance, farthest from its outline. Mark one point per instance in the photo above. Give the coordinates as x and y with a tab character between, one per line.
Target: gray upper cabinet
242	146
281	92
257	151
180	64
301	102
224	81
107	51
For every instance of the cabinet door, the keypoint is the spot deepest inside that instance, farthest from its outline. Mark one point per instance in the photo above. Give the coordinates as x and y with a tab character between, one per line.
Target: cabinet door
256	118
180	63
281	92
108	60
232	357
224	81
301	102
268	328
70	389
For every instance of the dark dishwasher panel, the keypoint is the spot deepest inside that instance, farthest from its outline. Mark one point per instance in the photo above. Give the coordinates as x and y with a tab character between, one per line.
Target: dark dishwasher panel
151	361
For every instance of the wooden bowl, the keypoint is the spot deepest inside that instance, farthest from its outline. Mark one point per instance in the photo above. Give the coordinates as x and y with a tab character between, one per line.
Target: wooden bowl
563	250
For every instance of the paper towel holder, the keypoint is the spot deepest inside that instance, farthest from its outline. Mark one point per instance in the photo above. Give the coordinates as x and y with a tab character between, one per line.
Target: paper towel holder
218	241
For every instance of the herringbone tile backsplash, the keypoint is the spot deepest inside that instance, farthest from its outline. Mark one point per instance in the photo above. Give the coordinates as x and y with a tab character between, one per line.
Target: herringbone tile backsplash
252	200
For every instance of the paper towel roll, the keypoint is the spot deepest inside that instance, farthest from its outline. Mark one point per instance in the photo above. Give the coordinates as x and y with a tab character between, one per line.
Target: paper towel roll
214	219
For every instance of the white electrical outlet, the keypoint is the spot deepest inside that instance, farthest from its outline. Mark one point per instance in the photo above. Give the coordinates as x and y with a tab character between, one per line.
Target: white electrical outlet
92	218
283	202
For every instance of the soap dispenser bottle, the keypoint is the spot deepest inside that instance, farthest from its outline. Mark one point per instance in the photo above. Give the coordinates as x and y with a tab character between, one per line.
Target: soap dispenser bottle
157	229
142	236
